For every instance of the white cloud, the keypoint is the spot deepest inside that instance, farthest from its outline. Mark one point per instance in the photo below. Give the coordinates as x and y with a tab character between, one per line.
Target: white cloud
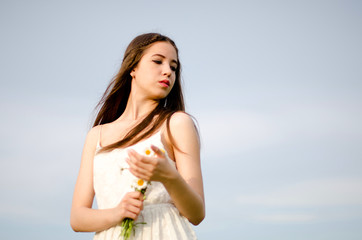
321	192
39	161
318	200
235	131
239	131
285	218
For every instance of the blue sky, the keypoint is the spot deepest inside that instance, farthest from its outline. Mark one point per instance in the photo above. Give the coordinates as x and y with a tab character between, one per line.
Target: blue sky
275	87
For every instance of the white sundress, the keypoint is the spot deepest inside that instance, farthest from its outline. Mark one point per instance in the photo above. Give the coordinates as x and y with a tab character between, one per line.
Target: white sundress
162	218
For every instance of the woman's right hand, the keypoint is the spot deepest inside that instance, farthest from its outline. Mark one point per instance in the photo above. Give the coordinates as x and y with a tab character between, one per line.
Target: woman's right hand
130	206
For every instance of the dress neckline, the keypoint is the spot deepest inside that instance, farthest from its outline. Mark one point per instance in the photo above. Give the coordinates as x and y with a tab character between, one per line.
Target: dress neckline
158	132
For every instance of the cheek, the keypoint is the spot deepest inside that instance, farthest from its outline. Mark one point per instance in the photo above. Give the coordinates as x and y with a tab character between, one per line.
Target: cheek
173	82
173	76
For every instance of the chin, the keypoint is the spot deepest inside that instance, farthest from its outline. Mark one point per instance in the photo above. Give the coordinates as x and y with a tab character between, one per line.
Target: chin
160	96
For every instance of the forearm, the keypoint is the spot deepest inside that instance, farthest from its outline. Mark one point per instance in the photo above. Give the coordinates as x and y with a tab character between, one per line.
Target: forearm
188	202
84	219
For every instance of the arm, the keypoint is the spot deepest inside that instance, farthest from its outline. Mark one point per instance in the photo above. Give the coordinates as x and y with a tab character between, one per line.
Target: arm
85	219
184	184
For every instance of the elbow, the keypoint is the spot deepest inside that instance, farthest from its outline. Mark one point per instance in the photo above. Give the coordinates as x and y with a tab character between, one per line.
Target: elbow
197	220
75	229
73	225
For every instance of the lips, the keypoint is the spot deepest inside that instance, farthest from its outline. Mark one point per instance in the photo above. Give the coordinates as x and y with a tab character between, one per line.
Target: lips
165	83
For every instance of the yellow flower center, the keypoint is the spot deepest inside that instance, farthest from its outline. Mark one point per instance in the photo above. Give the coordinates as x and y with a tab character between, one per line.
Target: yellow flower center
140	182
148	152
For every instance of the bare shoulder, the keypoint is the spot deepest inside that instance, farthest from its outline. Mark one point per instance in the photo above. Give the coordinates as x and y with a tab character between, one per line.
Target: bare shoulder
92	137
181	120
183	137
94	132
183	131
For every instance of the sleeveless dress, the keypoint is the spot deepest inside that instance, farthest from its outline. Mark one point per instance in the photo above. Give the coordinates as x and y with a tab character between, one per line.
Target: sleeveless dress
112	180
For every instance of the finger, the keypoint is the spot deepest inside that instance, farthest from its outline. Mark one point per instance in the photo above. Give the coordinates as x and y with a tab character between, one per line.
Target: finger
142	162
158	151
134	154
138	171
144	176
135	203
136	208
138	166
130	215
135	195
138	157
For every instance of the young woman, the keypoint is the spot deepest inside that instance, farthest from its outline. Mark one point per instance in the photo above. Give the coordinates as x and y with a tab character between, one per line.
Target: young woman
142	112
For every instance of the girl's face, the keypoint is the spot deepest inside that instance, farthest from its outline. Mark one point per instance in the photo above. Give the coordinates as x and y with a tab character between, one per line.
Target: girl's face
154	75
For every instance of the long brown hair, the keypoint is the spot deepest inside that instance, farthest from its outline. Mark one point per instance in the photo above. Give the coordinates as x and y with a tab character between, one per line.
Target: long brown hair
114	100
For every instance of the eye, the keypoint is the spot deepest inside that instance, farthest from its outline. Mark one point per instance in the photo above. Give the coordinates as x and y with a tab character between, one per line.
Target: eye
173	68
157	61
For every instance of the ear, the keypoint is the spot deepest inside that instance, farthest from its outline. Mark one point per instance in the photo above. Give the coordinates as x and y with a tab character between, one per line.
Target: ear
133	73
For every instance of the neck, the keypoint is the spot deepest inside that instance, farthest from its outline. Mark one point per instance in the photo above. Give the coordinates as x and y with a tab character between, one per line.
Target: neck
138	108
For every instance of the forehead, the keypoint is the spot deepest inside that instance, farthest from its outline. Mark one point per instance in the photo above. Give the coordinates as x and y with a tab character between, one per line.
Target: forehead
162	48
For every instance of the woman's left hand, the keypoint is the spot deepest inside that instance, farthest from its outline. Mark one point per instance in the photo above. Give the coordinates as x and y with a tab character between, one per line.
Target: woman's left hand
150	168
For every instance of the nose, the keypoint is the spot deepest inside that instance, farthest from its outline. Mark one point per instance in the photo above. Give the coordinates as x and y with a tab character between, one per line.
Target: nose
166	70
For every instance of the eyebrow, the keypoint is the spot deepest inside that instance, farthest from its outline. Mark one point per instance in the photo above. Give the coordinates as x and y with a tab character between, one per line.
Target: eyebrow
160	55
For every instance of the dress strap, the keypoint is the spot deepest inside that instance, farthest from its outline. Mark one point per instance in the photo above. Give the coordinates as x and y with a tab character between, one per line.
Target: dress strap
99	137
